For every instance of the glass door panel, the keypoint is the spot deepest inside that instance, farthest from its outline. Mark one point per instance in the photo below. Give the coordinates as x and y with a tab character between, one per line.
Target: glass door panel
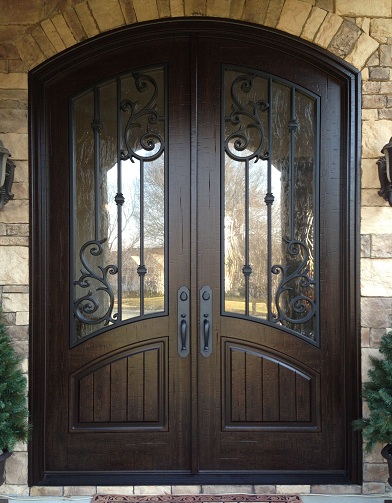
119	174
270	163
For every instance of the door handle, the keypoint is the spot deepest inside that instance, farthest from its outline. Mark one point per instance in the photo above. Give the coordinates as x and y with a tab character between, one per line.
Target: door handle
184	330
183	321
206	334
205	321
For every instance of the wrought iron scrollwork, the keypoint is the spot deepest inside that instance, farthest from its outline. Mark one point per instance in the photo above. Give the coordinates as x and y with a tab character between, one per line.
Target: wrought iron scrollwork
247	118
139	130
86	309
293	286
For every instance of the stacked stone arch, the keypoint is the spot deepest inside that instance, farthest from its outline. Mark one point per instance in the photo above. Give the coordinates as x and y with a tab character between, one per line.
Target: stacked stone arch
355	30
345	37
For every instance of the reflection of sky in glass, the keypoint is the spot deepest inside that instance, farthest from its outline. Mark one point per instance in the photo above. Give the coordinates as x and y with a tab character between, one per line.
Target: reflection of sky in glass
130	188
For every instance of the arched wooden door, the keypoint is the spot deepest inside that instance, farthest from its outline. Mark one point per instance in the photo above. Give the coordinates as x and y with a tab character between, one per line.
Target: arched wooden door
193	260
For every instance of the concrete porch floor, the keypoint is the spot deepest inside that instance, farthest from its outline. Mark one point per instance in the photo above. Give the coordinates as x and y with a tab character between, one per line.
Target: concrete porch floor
306	498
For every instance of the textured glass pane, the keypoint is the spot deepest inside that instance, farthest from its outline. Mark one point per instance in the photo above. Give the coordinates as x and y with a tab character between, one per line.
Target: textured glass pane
143	143
119	208
304	170
245	137
108	160
234	222
280	179
108	181
280	151
269	143
83	113
154	224
304	187
294	269
258	239
88	253
154	281
109	225
130	239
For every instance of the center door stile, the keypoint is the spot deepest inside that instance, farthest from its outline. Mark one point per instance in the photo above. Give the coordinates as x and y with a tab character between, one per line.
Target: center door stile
194	309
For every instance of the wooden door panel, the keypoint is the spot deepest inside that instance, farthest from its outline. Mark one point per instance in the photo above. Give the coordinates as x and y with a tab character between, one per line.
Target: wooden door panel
266	390
123	391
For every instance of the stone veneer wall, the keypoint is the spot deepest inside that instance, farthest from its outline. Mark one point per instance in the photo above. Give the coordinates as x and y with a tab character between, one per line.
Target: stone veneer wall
359	31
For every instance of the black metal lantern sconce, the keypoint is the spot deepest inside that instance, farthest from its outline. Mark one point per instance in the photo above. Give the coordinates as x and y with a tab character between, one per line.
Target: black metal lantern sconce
385	172
7	169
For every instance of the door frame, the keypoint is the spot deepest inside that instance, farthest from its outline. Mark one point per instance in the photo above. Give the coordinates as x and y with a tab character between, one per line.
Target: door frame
349	78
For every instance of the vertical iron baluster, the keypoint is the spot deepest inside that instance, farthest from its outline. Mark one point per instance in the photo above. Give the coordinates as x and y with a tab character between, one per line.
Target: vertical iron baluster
293	127
119	201
269	199
96	125
142	268
247	269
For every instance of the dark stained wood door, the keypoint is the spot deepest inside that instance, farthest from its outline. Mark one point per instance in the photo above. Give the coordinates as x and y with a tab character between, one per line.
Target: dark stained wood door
117	395
257	221
268	395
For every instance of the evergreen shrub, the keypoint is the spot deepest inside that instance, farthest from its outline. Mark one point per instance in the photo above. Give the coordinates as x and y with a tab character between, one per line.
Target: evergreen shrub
378	394
13	400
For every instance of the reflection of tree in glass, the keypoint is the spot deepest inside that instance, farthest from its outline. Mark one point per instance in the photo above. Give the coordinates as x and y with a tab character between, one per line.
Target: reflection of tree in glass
235	258
129	232
153	187
154	209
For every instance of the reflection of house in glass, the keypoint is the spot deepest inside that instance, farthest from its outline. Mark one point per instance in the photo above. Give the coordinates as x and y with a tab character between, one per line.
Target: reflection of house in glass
154	282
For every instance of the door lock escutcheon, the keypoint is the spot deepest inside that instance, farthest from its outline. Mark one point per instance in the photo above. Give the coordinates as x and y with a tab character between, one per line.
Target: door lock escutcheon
206	321
183	321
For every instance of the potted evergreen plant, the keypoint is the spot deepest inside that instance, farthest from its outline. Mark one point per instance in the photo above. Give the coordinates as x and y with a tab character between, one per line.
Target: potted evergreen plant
377	392
13	406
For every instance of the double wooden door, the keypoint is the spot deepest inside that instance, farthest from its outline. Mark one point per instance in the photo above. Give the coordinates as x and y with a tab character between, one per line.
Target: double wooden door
190	264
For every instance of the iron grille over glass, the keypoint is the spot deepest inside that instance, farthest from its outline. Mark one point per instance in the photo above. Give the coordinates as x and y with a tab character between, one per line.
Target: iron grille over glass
270	159
118	141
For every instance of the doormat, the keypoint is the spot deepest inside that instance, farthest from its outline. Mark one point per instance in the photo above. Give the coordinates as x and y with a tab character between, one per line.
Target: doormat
198	498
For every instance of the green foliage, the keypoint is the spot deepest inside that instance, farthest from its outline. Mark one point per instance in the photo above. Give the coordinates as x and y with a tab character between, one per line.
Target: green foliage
378	394
13	389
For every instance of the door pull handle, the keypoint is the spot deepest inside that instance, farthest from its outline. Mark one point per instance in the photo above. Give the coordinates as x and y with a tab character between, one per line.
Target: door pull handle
206	321
183	335
206	324
183	344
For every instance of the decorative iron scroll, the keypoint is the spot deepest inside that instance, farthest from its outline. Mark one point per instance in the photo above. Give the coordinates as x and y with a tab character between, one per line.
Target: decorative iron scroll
142	118
246	118
294	285
89	305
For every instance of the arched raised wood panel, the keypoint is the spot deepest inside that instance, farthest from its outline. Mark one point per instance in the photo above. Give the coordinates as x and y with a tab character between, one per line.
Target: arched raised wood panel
267	390
122	391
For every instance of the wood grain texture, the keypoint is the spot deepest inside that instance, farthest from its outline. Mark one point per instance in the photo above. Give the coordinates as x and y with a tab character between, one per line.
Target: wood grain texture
263	390
122	391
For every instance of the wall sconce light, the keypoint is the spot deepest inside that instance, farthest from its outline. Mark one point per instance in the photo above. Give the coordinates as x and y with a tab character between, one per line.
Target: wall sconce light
7	169
385	172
